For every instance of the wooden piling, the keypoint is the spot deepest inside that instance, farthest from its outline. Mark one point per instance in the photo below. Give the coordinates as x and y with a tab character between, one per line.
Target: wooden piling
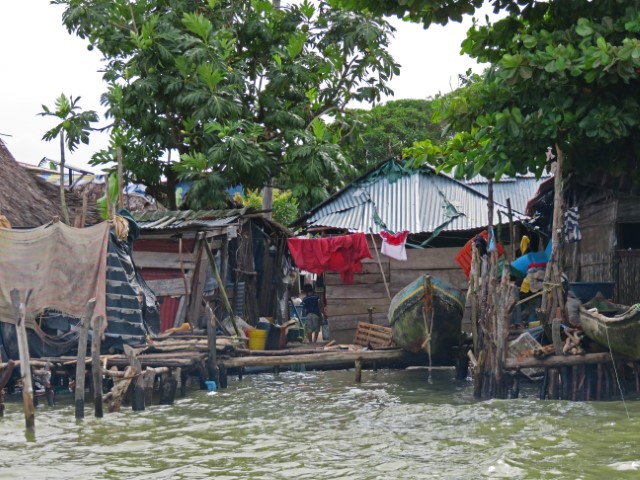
169	386
359	370
25	367
5	376
96	368
121	384
137	403
83	327
212	366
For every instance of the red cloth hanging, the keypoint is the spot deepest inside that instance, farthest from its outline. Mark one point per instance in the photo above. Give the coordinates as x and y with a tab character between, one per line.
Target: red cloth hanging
464	255
342	254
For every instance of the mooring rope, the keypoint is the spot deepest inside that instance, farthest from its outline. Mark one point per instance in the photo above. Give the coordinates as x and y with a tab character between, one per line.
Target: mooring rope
615	370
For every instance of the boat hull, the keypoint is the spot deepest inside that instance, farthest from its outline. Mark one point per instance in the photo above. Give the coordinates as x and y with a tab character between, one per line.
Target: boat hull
410	321
620	333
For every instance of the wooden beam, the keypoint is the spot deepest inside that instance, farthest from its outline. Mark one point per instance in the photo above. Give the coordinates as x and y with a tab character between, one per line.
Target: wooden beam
557	361
167	260
326	358
82	352
96	368
25	367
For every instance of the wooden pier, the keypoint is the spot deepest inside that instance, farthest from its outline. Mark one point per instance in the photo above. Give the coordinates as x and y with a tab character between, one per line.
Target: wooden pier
160	370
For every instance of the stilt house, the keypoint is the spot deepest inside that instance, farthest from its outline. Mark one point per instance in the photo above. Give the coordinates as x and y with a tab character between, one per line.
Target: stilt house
440	213
251	257
601	238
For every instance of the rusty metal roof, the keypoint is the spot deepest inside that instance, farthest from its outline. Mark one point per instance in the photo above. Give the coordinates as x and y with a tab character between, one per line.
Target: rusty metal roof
170	220
419	201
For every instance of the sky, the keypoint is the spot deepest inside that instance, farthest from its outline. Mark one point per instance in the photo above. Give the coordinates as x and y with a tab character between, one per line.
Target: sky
40	60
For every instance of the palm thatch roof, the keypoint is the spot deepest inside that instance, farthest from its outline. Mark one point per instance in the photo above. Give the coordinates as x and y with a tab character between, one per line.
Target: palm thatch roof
27	201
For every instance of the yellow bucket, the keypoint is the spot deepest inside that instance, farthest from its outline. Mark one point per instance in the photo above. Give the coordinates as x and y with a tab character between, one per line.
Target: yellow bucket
257	339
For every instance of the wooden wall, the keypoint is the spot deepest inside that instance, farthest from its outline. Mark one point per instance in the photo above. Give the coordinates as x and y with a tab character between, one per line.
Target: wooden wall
347	304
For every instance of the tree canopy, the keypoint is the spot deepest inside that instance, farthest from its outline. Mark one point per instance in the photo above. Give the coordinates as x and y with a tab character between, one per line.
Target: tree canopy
386	130
566	76
245	92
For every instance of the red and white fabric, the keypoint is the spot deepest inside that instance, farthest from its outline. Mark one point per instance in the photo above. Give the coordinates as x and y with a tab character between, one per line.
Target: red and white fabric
393	244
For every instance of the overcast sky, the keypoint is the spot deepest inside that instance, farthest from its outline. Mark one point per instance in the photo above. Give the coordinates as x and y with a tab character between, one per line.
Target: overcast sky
40	60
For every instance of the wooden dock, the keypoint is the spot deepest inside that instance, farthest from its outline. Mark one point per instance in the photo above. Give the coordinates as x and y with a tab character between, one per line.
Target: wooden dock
158	371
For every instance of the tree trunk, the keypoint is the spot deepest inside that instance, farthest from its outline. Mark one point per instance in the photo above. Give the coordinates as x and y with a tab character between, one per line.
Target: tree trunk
63	202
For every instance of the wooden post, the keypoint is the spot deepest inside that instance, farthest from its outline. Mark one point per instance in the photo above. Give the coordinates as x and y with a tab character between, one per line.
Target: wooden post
120	180
149	382
199	277
223	375
184	378
96	368
223	292
120	388
25	366
358	370
384	277
552	273
168	388
211	345
5	376
137	404
83	326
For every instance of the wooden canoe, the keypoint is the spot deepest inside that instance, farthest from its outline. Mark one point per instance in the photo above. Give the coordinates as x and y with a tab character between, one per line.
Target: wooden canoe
427	303
612	325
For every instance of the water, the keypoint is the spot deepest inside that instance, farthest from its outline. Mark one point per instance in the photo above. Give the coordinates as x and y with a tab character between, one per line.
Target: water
321	425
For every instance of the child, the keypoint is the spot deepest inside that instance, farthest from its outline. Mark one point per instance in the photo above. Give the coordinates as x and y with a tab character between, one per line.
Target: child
314	310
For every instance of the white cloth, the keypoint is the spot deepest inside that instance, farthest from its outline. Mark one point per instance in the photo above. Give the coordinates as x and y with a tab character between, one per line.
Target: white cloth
393	245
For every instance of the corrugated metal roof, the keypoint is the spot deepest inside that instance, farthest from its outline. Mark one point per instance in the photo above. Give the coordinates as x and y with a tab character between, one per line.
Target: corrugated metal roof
417	201
520	190
171	220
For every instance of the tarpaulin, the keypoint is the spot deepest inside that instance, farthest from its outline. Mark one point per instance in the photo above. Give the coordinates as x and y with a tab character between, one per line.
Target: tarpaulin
342	254
58	267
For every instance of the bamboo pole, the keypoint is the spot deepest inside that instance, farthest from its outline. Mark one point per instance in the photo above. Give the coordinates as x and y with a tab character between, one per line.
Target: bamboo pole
25	367
82	352
211	344
223	292
120	179
384	277
96	368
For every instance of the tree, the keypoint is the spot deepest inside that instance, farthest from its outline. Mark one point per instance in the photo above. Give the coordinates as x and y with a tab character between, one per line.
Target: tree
386	130
73	129
243	91
285	209
565	76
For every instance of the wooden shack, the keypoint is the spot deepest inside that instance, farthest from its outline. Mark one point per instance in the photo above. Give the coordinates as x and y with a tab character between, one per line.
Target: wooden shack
441	215
605	210
251	255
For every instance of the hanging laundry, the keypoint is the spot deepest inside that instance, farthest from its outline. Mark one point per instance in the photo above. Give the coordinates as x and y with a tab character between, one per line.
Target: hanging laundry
524	244
393	244
572	225
342	254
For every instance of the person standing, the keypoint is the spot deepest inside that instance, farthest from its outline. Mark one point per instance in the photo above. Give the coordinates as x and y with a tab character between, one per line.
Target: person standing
313	308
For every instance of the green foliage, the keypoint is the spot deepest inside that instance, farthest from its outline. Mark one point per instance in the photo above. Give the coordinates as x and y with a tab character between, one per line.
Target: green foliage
110	197
284	207
386	130
244	92
74	124
435	11
564	75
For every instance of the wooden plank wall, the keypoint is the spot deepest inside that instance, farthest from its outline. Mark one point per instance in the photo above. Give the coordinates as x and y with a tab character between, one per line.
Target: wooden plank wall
347	304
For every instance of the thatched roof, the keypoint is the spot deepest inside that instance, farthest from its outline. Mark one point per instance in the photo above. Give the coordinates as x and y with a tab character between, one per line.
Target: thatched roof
30	202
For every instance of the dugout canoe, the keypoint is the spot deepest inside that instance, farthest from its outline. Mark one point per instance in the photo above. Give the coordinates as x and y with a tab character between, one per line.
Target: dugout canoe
427	304
612	325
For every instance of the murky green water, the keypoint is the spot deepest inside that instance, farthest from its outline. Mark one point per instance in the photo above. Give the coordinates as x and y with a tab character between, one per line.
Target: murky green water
320	425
